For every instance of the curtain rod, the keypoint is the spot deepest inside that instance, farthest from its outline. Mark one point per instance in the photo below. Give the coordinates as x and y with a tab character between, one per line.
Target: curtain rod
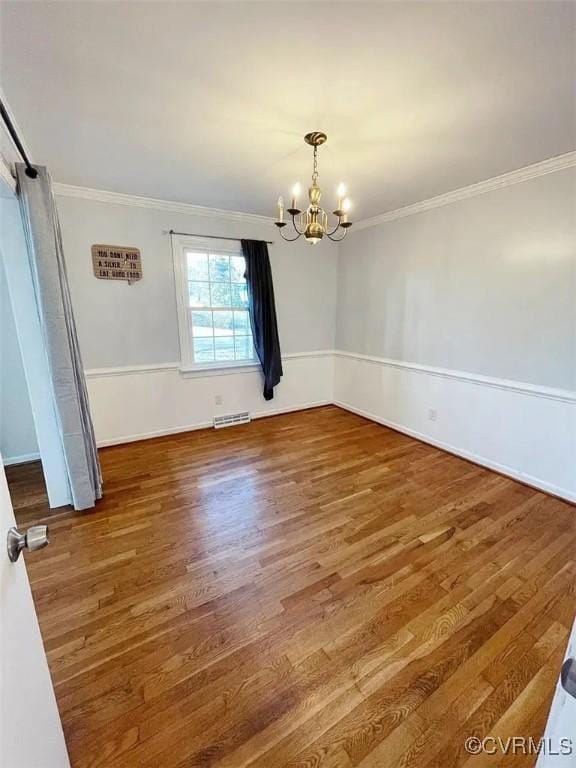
30	170
213	237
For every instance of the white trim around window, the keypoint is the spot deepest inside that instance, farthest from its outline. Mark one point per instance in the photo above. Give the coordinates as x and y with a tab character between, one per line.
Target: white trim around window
181	245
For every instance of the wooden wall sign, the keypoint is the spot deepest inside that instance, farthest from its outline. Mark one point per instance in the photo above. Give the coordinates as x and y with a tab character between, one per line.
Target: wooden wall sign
114	262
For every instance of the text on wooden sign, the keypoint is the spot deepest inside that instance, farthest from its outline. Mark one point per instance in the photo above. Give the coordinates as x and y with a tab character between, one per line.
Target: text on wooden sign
114	262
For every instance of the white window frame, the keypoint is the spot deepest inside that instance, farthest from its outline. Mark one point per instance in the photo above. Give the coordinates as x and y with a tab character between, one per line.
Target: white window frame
180	245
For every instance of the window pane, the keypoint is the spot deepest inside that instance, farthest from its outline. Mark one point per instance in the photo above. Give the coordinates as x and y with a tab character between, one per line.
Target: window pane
224	347
199	294
220	294
203	350
197	266
237	269
219	268
239	295
243	347
223	324
223	334
241	322
202	324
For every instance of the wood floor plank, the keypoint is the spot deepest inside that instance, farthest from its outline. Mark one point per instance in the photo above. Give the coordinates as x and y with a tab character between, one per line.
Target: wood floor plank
310	589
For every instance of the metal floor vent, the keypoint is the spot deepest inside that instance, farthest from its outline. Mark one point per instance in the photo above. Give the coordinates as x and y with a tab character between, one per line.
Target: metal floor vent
231	419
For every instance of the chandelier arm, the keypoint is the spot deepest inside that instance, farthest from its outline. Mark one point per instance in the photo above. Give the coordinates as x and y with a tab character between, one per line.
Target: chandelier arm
291	239
336	228
337	239
300	231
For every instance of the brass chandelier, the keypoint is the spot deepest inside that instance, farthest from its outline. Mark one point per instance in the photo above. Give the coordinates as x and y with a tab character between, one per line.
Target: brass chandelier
313	222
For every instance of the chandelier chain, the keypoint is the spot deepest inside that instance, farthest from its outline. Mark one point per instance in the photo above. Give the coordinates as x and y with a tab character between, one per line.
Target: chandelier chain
315	170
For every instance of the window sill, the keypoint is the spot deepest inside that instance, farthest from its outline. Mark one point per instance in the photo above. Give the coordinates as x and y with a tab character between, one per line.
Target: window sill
218	369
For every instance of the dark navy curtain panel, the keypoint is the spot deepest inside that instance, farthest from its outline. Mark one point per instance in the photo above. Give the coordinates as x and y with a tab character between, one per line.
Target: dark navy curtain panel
262	310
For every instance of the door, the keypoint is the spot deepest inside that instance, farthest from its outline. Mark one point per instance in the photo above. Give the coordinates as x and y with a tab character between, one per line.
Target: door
560	734
31	734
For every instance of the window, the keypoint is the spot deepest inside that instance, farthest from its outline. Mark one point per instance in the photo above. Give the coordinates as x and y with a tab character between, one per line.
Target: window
215	325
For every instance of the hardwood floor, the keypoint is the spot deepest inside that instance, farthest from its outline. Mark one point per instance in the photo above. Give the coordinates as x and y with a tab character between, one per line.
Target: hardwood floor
310	590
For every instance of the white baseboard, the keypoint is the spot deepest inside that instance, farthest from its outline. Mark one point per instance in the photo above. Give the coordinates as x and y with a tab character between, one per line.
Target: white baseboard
22	459
204	425
522	431
502	469
121	439
291	409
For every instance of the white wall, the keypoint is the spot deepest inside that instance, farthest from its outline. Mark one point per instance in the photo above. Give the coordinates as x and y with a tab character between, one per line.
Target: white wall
122	325
133	404
527	433
458	325
124	329
484	285
17	433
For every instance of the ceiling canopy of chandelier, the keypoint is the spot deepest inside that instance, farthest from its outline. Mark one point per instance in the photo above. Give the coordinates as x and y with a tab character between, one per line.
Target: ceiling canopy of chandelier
313	222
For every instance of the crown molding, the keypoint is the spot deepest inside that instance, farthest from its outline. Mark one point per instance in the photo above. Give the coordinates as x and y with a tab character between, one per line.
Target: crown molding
533	171
553	164
135	201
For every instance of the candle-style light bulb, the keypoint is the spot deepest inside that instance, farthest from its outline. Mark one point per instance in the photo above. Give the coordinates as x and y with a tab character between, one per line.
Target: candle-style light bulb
280	209
341	193
346	205
295	193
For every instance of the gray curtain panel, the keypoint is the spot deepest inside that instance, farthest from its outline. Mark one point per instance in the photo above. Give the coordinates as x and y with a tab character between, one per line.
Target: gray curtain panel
48	268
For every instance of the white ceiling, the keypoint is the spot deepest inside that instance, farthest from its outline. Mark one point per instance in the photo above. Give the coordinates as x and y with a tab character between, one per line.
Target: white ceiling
207	102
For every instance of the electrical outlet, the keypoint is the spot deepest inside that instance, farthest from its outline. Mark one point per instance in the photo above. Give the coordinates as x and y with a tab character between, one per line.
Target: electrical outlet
218	399
432	414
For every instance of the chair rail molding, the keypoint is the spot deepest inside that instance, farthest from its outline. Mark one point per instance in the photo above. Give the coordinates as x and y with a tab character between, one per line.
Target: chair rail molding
520	387
126	370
